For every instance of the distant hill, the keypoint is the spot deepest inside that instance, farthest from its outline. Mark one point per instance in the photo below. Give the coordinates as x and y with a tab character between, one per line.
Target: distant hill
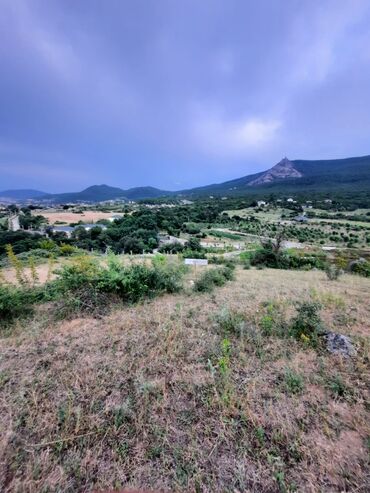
22	194
287	176
100	193
139	193
95	193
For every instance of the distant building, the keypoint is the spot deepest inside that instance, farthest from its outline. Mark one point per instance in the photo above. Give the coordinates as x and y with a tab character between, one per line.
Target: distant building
261	203
87	227
114	218
301	219
63	229
290	200
328	201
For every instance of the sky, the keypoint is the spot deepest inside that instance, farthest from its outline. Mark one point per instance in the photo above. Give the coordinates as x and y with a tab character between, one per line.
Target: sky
177	93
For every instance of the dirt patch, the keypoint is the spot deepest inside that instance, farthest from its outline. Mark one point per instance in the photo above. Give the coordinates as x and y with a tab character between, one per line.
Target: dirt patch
45	272
71	217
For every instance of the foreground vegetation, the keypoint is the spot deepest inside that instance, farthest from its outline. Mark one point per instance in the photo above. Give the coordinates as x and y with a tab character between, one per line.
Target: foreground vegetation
192	391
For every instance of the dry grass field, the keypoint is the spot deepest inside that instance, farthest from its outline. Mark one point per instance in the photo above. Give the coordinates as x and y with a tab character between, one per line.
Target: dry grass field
45	272
71	217
161	396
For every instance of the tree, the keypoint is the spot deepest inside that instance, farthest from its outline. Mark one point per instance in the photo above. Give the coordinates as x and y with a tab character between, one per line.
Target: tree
193	244
133	245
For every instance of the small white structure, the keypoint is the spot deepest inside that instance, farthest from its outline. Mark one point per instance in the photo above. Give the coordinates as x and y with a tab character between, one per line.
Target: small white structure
114	218
196	261
290	200
261	203
87	227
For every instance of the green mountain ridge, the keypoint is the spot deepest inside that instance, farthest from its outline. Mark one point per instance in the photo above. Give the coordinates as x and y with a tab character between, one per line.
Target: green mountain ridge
288	176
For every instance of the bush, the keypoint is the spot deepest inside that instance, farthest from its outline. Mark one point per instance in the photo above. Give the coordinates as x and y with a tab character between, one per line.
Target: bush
361	267
193	244
307	324
174	247
293	382
47	245
66	249
333	272
286	259
219	260
213	277
16	302
231	322
193	253
86	285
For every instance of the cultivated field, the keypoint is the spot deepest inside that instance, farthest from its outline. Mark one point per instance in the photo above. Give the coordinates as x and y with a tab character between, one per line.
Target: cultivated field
188	393
73	217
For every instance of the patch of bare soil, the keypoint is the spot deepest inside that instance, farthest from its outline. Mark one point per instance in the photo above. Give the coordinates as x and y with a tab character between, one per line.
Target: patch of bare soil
72	217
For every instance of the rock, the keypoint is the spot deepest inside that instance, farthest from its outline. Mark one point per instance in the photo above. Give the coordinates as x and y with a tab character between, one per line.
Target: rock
340	344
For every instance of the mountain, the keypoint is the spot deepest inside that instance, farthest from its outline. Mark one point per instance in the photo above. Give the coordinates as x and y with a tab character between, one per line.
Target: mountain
139	193
95	193
289	176
100	193
282	170
350	175
22	194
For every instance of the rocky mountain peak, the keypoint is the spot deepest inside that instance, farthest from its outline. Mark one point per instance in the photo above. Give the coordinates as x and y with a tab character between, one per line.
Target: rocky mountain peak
282	170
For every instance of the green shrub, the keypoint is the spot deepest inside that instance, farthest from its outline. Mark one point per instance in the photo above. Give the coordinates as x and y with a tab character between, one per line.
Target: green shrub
193	253
268	256
174	247
246	264
66	249
307	325
293	382
47	244
212	278
84	270
89	284
16	302
230	322
272	322
337	387
361	267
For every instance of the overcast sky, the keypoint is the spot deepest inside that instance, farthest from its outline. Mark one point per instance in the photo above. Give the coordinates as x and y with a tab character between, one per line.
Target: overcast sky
177	93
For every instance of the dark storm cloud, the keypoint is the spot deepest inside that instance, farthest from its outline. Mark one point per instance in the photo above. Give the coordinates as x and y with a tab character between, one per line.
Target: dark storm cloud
177	93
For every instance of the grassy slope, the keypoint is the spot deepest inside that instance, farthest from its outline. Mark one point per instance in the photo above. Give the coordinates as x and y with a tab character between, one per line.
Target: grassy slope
132	400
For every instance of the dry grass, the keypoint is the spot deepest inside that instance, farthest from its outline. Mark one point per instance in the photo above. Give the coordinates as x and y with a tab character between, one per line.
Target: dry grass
138	399
71	217
44	271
